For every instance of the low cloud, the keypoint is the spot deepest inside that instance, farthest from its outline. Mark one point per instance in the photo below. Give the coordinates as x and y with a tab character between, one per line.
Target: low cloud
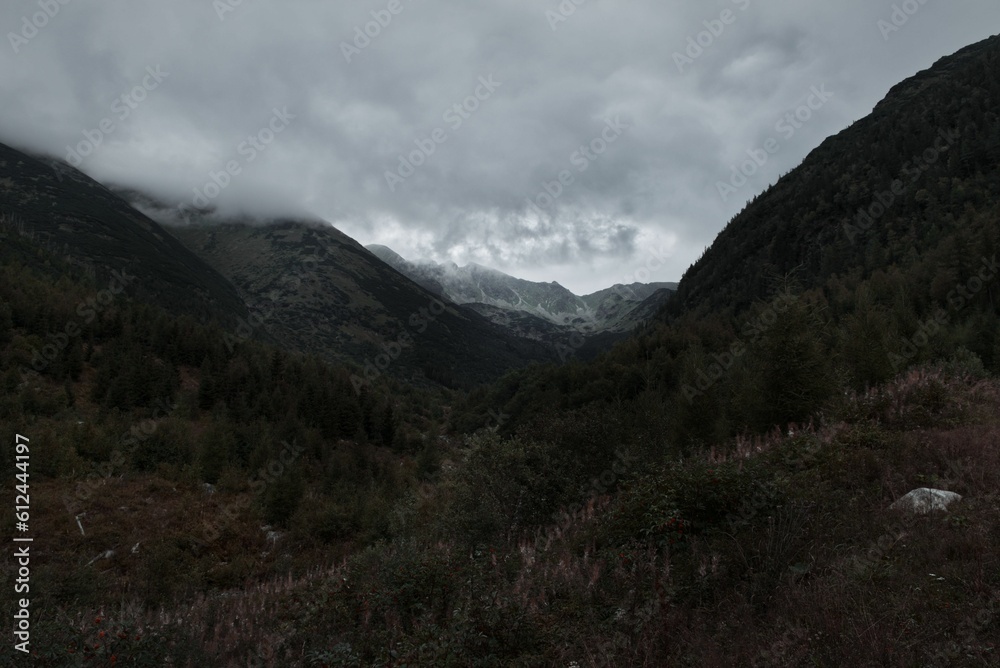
358	109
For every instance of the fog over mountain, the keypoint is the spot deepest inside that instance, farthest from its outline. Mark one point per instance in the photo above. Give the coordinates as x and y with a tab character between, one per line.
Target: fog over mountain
643	110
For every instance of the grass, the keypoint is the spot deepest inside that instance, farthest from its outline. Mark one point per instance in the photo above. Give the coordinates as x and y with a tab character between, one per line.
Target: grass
794	559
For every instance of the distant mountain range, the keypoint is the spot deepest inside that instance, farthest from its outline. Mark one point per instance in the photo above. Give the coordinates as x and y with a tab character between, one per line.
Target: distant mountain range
533	309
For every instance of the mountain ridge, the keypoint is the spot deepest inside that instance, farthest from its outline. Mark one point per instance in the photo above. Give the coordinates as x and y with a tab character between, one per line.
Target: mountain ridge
603	310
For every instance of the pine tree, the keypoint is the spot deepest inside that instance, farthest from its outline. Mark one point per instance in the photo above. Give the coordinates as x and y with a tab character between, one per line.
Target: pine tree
207	390
790	363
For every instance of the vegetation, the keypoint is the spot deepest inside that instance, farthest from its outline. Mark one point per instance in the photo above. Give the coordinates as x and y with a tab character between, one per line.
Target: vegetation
714	491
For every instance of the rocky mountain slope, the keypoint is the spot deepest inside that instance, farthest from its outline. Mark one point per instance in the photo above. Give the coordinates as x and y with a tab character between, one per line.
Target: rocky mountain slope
319	291
511	299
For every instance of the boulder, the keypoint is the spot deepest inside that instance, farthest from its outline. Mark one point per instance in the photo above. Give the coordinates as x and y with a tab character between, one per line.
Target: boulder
924	499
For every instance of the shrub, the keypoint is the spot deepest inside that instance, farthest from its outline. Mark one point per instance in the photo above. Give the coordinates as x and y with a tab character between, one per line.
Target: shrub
964	365
506	486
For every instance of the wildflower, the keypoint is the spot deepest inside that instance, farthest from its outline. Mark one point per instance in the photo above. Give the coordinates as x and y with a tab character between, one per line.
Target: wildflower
101	634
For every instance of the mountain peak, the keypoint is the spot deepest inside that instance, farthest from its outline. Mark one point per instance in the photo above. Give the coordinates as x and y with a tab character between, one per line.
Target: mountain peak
474	283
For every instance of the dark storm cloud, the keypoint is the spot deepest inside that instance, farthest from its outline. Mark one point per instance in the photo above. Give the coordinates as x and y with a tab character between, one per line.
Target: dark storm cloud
512	176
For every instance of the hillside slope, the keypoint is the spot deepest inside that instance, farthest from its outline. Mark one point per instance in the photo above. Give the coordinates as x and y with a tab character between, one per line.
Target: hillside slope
321	292
87	224
889	188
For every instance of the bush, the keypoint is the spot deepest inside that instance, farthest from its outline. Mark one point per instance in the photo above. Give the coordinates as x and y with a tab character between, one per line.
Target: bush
506	487
699	496
325	520
166	443
282	497
964	365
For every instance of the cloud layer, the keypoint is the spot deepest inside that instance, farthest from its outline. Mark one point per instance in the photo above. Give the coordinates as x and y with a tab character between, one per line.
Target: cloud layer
571	141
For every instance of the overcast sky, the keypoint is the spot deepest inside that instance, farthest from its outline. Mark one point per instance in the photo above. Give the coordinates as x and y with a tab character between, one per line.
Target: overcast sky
618	98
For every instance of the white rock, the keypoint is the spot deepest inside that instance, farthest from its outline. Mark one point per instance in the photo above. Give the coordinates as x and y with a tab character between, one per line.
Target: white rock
925	499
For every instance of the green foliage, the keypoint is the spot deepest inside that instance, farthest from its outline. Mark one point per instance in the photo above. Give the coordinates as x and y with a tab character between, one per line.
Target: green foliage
282	496
169	443
965	364
865	342
647	565
506	487
788	376
689	499
216	449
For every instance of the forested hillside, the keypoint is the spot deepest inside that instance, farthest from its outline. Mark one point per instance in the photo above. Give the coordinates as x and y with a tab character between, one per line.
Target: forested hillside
870	257
912	186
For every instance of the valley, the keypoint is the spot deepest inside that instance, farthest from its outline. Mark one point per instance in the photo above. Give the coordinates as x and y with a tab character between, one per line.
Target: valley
256	441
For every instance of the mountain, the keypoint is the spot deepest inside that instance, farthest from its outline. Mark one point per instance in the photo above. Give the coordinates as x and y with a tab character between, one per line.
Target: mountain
301	284
511	298
86	224
893	186
319	291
